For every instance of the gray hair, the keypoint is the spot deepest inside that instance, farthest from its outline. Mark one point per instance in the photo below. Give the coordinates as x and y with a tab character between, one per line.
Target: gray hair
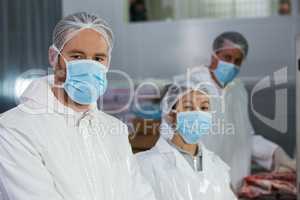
70	25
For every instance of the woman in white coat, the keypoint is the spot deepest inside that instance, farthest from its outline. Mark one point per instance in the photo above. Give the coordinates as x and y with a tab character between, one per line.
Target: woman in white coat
180	168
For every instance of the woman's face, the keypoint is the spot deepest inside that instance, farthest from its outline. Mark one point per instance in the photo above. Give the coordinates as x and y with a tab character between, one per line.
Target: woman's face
193	101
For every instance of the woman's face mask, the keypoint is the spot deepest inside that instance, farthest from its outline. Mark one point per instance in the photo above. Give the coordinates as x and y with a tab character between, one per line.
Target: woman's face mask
193	119
192	125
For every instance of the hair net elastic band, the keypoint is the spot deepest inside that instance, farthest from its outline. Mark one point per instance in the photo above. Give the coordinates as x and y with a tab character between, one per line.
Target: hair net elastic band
170	105
87	26
230	45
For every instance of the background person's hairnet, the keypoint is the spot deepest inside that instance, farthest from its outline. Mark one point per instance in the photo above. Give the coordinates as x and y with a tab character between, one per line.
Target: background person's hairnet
71	25
230	40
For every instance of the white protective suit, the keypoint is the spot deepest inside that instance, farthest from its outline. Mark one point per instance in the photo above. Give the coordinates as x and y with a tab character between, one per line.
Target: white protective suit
50	152
234	139
173	178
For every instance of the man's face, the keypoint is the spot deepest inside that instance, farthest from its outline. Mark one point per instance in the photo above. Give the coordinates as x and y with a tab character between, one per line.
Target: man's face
234	56
87	44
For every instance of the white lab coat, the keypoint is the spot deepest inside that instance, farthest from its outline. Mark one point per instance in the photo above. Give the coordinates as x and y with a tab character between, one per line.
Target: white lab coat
173	178
50	152
231	106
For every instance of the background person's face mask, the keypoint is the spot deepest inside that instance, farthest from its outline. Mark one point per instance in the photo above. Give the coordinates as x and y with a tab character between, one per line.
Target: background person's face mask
225	72
192	125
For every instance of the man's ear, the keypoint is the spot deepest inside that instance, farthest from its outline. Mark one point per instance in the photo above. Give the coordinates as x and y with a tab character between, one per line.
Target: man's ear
53	57
59	71
213	63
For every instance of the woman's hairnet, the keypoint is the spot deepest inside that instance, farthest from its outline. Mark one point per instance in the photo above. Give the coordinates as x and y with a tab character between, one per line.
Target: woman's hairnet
71	25
176	91
229	40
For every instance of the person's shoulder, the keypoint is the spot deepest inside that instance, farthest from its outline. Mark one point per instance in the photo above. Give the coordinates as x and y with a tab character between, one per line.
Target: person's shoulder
26	113
13	115
16	125
112	124
149	160
221	163
216	160
237	83
148	156
104	117
238	87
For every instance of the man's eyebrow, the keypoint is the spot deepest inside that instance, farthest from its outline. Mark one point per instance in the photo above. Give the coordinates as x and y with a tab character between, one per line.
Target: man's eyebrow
101	54
205	101
187	101
82	52
76	51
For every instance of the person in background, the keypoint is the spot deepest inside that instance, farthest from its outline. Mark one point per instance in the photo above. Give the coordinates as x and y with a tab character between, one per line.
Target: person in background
284	7
137	10
179	167
233	138
56	145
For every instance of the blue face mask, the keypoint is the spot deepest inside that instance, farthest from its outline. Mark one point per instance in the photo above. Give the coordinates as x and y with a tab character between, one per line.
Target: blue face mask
86	81
192	125
225	72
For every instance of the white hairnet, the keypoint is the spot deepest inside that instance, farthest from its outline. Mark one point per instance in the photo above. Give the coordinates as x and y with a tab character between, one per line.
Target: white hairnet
175	92
71	25
230	40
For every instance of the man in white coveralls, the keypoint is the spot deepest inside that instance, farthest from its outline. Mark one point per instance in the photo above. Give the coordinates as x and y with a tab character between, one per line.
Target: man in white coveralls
56	145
